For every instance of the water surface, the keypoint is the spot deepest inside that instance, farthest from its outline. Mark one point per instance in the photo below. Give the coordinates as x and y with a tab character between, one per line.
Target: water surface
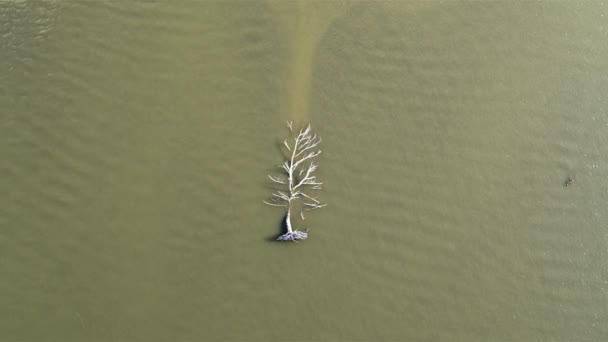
136	138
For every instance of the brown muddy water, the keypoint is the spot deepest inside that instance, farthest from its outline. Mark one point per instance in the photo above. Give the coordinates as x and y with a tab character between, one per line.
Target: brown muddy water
136	137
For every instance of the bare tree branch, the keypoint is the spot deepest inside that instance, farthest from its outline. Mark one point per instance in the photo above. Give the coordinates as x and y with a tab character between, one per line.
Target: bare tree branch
309	197
306	157
277	179
275	205
314	205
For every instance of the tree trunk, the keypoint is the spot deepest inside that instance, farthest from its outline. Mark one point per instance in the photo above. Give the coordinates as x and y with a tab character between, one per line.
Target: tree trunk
288	221
291	235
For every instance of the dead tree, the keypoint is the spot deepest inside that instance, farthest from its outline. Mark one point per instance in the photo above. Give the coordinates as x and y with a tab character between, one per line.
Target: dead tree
298	179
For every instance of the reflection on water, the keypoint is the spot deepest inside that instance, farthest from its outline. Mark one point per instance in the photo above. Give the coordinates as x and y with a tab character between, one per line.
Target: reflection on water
136	138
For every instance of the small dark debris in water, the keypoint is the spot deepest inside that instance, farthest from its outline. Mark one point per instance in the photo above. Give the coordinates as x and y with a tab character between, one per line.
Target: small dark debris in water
568	181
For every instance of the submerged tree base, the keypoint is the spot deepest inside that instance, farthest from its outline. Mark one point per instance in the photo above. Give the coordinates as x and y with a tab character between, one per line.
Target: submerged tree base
293	236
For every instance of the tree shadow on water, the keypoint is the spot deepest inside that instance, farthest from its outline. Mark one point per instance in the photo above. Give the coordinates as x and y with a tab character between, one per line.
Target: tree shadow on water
283	230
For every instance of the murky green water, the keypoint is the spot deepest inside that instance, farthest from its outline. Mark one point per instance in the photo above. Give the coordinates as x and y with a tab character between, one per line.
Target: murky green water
136	138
